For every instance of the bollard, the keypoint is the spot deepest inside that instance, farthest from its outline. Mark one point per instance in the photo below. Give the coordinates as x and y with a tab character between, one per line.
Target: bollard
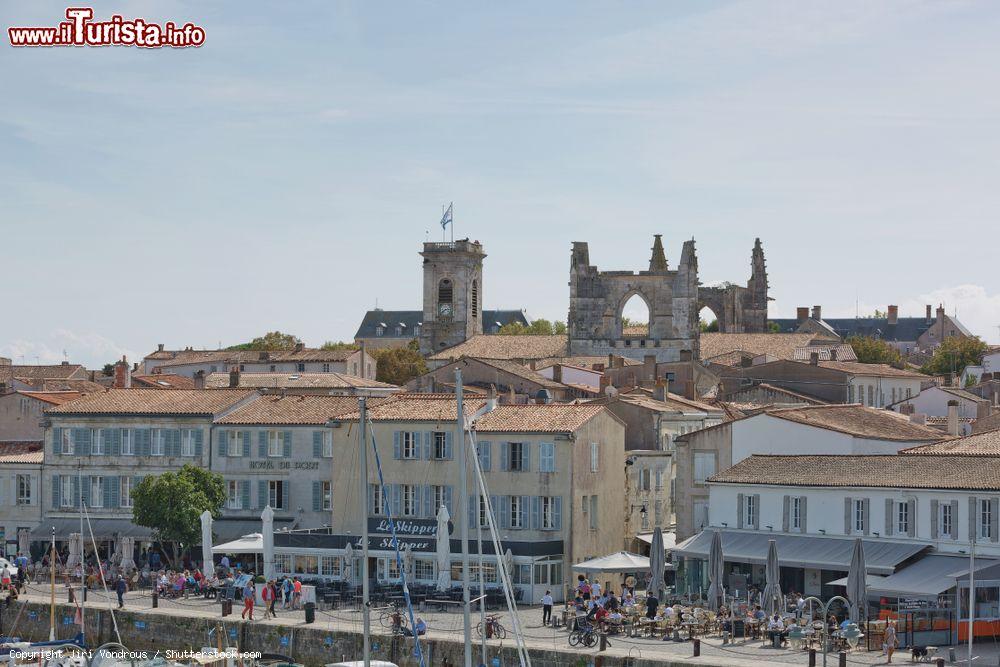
812	657
697	648
156	599
72	595
842	659
951	654
940	662
84	593
227	607
604	642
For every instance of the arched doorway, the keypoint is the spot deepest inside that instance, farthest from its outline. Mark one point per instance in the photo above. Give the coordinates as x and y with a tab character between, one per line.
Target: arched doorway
634	316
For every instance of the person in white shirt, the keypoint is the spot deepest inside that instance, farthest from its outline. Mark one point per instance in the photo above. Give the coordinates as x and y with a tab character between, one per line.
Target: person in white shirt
547	608
595	589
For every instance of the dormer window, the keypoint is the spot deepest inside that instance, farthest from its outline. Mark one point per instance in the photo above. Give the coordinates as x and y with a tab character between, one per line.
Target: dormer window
379	330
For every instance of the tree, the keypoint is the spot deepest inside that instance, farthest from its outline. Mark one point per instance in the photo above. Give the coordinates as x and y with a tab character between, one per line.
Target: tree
108	370
399	365
540	326
773	327
339	345
875	351
272	340
171	504
954	354
711	327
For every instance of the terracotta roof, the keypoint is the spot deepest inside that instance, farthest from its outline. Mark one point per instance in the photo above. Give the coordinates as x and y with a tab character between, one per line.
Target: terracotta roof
162	381
550	418
21	452
185	357
977	444
418	407
521	371
587	362
294	410
153	402
636	330
777	345
52	397
673	402
51	384
961	393
874	471
507	347
801	398
859	421
51	371
731	411
874	370
844	352
295	381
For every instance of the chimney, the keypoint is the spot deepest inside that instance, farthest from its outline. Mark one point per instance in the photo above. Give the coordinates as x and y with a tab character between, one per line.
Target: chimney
300	346
920	419
491	400
557	373
159	347
893	315
907	409
686	355
649	366
123	375
660	393
802	314
983	408
199	380
953	418
814	358
817	312
833	354
940	313
234	376
619	362
532	364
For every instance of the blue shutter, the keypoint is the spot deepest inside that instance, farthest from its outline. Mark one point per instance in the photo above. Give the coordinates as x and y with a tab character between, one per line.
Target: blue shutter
55	492
116	441
143	437
395	500
525	456
223	441
288	444
113	495
557	513
504	512
535	522
447	445
473	511
418	498
199	441
447	503
245	494
428	445
504	455
81	441
286	492
418	450
396	453
85	495
57	440
428	511
317	496
261	444
262	494
317	444
525	511
247	440
485	454
173	445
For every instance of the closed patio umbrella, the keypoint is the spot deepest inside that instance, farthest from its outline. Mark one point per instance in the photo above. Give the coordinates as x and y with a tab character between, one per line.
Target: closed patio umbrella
443	550
772	575
857	586
657	563
716	572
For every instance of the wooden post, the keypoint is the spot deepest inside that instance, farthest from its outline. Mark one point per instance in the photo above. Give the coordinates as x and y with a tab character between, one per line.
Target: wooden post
697	647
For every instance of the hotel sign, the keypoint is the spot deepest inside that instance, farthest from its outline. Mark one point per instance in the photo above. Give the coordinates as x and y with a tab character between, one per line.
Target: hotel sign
283	465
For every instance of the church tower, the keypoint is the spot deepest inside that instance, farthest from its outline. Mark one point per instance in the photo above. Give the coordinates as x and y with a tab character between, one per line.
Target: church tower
755	307
453	294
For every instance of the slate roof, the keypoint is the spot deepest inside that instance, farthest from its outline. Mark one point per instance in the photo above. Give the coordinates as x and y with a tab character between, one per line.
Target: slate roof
906	329
234	357
50	371
871	471
778	345
153	402
488	346
297	410
977	444
295	381
21	452
410	319
859	421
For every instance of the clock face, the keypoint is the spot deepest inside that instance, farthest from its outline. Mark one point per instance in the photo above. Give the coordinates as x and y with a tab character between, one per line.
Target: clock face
444	309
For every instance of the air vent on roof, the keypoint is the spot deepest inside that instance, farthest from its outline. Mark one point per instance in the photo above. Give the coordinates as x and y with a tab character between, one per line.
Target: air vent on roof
293	377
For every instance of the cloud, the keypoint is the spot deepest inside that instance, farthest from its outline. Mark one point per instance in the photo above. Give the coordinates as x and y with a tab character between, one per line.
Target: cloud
90	349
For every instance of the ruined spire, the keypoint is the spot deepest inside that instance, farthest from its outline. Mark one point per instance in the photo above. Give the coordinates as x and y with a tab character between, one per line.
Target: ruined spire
658	262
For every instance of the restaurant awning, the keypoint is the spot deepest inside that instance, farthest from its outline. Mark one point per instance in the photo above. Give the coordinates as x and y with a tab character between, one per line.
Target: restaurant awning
226	530
812	551
669	539
622	561
247	544
104	529
928	576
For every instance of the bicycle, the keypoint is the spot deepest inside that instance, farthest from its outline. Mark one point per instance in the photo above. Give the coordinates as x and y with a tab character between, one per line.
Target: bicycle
390	617
493	628
585	635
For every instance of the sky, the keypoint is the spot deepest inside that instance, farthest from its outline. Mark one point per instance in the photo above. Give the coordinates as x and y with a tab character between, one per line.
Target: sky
285	174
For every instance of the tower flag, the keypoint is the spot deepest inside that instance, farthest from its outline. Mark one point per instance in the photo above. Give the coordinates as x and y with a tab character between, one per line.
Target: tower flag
446	218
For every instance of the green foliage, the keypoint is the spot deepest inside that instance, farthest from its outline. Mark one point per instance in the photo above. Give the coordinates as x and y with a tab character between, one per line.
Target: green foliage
398	365
874	351
773	327
171	503
539	326
108	370
339	345
971	381
272	340
954	354
710	327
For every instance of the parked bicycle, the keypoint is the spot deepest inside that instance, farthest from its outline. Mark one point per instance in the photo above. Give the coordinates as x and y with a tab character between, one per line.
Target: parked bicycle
493	628
585	635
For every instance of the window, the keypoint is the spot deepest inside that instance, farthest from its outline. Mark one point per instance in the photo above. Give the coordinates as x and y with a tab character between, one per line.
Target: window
97	445
548	512
750	510
67	441
399	331
903	518
985	518
273	368
475	298
97	492
444	298
379	330
644	479
594	456
704	466
159	442
909	392
795	513
328	445
516	458
440	445
330	566
127	442
871	395
516	512
275	444
66	495
440	498
23	489
546	457
327	490
234	499
408	445
125	491
408	499
850	393
893	395
301	368
306	565
483	508
283	563
586	504
593	512
858	514
659	479
326	368
423	569
235	443
276	494
377	500
946	519
187	441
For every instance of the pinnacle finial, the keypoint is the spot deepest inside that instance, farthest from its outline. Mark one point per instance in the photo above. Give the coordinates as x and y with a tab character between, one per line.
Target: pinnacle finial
658	261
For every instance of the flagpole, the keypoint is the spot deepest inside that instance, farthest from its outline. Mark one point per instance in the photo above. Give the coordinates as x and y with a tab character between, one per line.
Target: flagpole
451	219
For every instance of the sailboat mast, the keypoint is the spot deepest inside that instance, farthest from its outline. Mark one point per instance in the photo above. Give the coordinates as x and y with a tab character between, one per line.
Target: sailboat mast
52	588
83	561
363	463
464	488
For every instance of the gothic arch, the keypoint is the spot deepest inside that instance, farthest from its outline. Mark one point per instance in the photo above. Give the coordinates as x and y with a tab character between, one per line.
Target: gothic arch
619	313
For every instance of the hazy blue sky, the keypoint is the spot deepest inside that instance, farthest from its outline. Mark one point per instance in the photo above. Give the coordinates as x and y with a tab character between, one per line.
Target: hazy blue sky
285	174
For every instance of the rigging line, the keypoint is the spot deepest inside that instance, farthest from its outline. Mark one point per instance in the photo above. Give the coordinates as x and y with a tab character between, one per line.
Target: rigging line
395	544
100	569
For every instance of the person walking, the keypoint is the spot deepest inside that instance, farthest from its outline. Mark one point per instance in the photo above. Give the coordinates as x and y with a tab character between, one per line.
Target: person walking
249	593
547	608
890	641
121	586
267	595
287	588
296	593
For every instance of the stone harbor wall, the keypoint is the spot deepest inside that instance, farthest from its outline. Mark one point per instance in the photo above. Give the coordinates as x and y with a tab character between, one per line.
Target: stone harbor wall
312	645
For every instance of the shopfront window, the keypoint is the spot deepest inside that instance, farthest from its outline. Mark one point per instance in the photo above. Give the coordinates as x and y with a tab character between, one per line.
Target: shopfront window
306	565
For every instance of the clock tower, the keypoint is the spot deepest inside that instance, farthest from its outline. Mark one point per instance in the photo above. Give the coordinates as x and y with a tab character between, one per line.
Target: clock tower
453	294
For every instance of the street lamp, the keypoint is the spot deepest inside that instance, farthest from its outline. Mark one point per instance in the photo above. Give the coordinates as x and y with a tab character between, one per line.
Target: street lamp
826	630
